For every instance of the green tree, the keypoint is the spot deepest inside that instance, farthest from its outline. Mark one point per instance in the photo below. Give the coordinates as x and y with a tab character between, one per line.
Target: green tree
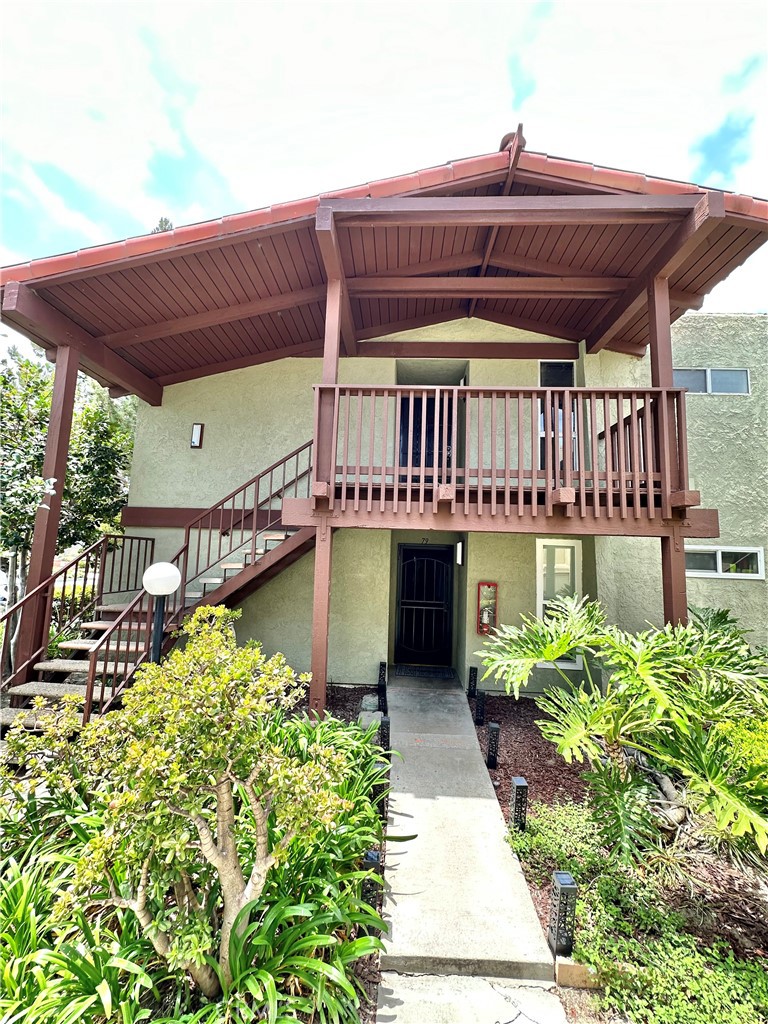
206	779
162	225
96	483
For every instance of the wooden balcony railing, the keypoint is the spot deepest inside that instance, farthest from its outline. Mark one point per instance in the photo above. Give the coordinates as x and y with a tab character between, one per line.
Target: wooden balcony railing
596	452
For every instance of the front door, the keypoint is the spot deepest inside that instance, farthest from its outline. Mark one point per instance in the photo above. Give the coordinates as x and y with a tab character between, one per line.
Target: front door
424	605
422	429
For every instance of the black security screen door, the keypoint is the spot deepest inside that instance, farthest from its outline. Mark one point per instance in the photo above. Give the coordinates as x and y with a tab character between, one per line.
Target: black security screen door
424	605
432	446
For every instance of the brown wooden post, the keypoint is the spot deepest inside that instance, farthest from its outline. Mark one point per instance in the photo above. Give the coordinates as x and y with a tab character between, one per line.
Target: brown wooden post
325	459
321	609
672	551
33	626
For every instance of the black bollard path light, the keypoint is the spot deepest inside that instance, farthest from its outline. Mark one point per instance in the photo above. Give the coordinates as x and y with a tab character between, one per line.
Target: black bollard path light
480	708
381	688
384	738
518	803
472	684
562	913
492	760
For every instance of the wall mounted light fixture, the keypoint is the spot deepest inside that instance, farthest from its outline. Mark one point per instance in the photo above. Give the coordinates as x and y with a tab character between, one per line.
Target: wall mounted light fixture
196	440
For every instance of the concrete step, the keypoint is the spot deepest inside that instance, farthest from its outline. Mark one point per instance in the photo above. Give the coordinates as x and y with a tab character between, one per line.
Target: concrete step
67	665
111	609
9	715
39	688
89	645
452	999
212	581
105	624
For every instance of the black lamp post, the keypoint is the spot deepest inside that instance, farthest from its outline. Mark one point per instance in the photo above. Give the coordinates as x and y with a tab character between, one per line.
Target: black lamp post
160	580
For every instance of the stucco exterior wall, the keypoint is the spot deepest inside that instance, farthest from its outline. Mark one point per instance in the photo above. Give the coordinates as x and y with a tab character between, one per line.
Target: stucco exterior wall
728	452
254	416
280	614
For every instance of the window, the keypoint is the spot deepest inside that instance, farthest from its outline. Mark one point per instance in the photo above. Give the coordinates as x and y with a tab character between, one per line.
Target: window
558	574
725	562
555	375
714	381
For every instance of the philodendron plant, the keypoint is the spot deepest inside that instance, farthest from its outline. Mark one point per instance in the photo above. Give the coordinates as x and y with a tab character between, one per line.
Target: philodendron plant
648	729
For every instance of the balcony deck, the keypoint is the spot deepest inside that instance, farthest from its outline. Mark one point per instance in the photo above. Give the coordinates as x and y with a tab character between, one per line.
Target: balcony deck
578	460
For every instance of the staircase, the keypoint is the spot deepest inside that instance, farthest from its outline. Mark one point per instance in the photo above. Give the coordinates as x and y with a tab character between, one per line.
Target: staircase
102	618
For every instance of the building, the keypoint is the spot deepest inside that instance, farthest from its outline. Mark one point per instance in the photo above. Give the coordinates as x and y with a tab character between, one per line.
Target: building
383	420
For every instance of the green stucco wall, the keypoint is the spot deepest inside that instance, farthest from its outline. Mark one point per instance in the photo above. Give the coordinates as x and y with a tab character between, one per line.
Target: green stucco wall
280	614
254	416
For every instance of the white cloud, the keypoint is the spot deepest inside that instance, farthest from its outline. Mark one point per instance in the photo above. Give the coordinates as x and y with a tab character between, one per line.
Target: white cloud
288	99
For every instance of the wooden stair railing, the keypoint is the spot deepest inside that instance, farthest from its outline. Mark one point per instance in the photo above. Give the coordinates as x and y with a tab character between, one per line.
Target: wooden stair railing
56	608
240	526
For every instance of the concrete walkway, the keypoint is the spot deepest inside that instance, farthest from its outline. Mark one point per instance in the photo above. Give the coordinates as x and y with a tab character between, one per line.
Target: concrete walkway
456	903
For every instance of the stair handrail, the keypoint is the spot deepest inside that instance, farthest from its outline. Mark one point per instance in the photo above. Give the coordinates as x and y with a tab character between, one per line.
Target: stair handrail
139	611
93	558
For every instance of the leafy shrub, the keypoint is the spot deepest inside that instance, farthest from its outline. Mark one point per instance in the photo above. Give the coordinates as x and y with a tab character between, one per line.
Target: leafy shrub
666	693
228	831
560	837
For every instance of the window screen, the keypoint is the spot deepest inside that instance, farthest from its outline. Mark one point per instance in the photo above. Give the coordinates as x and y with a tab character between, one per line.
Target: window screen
556	375
694	380
701	561
559	573
729	382
742	563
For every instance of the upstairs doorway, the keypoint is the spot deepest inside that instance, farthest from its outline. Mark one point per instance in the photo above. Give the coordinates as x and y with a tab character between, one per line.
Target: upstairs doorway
424	625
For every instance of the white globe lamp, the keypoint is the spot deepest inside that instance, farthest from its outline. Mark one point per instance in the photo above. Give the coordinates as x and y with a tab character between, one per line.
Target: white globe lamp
160	580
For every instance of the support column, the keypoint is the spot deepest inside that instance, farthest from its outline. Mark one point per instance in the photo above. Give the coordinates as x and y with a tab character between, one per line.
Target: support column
673	579
44	538
325	457
672	550
321	609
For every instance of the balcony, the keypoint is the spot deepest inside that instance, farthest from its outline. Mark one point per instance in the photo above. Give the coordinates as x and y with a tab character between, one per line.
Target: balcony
612	460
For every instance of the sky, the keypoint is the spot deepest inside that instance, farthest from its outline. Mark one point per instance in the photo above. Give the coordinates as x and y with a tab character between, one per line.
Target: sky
115	114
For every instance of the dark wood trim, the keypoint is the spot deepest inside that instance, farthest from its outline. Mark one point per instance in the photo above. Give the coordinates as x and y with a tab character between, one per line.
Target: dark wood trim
321	615
45	536
515	148
146	516
695	523
673	579
328	242
25	310
695	229
534	326
428	320
468	350
213	317
509	210
444	265
660	333
307	349
487	287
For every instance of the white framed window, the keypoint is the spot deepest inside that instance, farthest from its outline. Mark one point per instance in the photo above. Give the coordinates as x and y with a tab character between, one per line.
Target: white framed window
726	562
713	381
558	574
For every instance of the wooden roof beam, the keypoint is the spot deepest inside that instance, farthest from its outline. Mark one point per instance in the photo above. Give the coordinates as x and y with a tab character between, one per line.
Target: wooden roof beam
469	350
506	211
488	287
306	348
534	326
213	317
25	310
328	241
695	229
514	147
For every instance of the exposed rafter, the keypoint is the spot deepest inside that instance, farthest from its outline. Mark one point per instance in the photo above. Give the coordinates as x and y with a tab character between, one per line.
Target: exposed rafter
535	326
334	270
506	211
491	287
514	147
214	317
27	312
697	226
307	348
469	350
